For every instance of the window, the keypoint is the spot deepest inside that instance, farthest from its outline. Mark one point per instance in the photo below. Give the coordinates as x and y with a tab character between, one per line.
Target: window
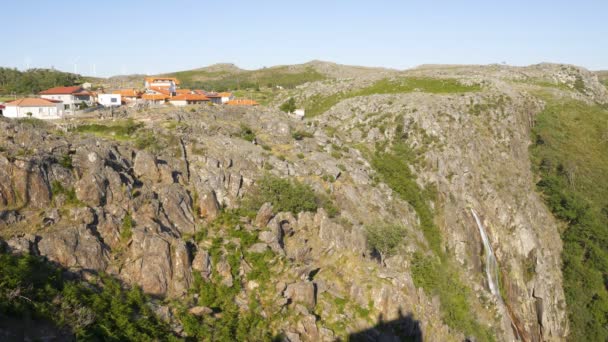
113	100
66	107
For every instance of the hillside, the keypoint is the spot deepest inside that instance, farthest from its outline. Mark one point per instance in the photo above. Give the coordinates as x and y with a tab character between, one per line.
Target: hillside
441	203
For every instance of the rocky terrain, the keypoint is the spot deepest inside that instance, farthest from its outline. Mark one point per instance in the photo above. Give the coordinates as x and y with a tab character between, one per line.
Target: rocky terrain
170	200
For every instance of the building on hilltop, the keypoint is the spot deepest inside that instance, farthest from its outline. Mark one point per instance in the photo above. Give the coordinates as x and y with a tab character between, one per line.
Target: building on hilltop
155	98
38	108
128	95
72	97
109	100
169	84
186	99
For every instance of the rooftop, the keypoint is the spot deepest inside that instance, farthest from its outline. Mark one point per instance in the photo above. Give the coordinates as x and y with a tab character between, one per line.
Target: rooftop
32	102
62	90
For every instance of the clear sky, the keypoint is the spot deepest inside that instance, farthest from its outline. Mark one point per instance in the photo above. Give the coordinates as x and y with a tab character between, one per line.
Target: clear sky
112	37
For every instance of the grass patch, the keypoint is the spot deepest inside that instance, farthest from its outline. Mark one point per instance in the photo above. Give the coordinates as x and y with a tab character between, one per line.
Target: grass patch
121	130
569	154
320	104
70	194
441	279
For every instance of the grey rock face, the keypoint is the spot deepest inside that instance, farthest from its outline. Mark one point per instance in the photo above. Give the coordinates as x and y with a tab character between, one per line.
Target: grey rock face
177	205
302	292
74	247
145	167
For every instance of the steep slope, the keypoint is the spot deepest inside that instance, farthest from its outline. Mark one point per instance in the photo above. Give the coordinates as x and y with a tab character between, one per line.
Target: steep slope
404	206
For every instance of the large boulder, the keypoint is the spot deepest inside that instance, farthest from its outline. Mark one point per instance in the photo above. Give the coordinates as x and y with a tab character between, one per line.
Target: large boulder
264	215
31	184
145	166
91	189
202	263
303	293
159	263
74	247
208	206
177	205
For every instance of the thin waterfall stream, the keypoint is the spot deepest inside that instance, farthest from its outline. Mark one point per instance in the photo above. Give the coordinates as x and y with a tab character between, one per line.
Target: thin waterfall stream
492	272
491	263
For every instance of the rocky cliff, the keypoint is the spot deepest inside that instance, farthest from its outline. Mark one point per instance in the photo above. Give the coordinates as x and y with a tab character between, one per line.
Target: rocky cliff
167	206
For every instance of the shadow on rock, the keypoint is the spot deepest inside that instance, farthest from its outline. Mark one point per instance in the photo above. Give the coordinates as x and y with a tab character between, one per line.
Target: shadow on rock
403	328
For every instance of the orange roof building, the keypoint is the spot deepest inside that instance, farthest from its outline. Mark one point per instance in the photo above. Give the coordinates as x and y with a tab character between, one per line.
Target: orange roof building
127	93
62	91
155	97
242	102
186	99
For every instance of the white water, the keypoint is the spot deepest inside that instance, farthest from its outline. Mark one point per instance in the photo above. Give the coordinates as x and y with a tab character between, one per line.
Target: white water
491	264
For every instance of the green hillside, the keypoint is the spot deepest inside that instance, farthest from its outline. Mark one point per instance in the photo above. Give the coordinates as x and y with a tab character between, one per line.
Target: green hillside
570	155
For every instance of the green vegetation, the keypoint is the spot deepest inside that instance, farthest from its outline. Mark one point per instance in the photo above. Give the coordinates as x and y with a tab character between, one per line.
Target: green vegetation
127	225
287	195
320	104
283	194
30	288
33	81
70	194
299	135
245	79
289	106
440	278
35	123
246	133
569	154
120	130
393	168
231	324
385	238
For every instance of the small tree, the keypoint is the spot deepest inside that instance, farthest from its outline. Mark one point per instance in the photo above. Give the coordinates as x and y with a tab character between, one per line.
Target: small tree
385	238
29	114
289	106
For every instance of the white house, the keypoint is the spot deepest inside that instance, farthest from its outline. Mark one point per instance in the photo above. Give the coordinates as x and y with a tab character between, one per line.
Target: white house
71	97
109	100
35	108
169	84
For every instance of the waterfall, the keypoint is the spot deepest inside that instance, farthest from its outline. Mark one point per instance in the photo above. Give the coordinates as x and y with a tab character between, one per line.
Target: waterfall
492	274
491	264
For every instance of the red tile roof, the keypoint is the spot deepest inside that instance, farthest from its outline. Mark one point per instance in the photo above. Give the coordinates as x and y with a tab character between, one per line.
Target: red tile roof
127	92
61	90
242	102
189	97
154	96
161	90
32	102
152	79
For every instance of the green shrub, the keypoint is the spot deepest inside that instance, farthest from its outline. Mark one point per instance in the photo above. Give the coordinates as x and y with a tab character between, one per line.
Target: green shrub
246	133
441	279
106	312
299	135
127	224
289	106
394	170
283	194
70	194
385	238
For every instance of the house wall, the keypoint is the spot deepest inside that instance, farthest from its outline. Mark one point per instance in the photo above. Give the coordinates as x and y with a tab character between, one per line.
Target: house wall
216	100
44	113
106	100
179	103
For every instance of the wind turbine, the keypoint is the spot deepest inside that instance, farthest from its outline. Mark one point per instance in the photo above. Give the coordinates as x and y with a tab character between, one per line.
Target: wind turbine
75	62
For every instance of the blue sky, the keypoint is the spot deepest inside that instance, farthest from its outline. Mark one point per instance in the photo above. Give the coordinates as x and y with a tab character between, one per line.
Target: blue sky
131	36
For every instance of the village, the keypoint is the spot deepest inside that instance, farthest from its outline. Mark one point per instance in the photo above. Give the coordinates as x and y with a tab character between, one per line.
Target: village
67	101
